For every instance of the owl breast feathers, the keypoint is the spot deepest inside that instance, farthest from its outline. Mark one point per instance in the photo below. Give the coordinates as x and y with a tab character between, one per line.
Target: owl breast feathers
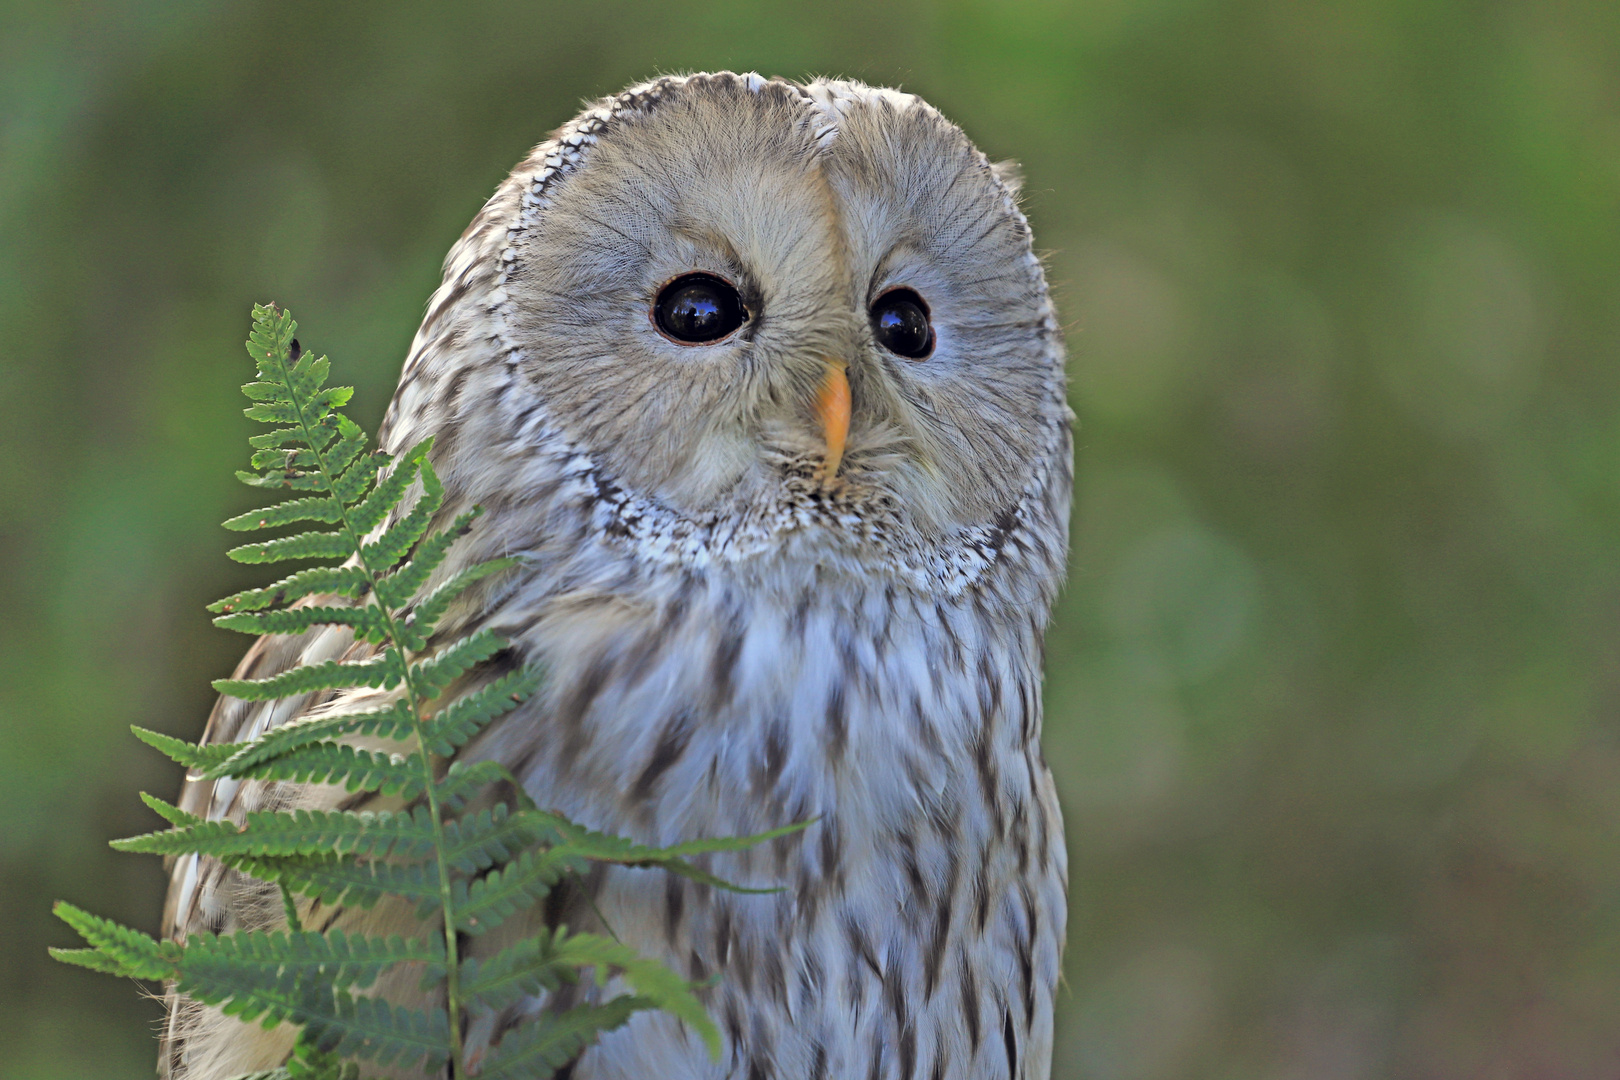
762	383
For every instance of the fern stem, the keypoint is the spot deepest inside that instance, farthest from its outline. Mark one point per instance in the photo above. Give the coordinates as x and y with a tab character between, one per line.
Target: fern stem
452	982
417	704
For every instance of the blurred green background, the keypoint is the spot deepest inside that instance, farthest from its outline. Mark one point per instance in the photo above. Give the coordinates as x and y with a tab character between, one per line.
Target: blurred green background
1334	694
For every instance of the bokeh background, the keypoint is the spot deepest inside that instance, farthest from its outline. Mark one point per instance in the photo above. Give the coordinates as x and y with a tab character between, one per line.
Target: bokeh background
1334	694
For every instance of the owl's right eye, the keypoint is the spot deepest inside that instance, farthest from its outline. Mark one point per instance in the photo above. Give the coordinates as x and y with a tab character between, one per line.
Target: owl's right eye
696	309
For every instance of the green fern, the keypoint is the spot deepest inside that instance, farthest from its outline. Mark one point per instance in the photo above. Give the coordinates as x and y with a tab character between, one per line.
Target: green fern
465	871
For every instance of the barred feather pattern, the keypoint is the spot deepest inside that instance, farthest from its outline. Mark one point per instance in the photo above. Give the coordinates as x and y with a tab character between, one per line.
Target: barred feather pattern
795	649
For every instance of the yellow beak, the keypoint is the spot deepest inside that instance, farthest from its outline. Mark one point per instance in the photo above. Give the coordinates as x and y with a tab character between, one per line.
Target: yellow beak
832	412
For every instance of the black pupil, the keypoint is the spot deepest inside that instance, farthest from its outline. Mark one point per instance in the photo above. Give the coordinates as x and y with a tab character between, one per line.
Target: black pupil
900	322
698	308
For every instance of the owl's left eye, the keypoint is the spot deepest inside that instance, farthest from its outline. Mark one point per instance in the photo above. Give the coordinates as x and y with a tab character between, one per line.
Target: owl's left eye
696	309
900	324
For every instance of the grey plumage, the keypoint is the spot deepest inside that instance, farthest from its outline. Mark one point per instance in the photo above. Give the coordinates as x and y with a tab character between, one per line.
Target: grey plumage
733	638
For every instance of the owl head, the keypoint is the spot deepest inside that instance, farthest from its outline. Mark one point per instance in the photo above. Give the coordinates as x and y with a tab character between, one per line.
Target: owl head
730	319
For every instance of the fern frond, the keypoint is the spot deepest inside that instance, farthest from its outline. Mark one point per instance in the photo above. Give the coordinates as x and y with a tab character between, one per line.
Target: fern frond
310	1063
350	444
314	406
316	434
530	966
366	1027
309	545
285	459
490	900
393	722
385	671
318	437
714	844
130	953
552	1040
344	879
351	441
455	725
602	847
386	495
399	538
291	481
478	841
652	981
539	963
272	412
170	813
433	675
401	834
340	763
463	781
285	411
264	391
270	336
281	960
308	374
322	508
369	622
398	588
347	581
94	959
190	755
432	608
352	483
335	1021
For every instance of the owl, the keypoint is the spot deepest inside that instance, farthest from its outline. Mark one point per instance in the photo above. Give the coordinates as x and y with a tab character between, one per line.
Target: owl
761	382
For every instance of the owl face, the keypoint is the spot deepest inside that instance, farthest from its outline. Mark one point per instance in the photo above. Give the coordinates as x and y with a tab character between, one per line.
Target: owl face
719	318
746	286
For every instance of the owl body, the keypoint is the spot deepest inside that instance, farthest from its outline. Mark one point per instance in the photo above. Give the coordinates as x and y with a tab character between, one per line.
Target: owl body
781	574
